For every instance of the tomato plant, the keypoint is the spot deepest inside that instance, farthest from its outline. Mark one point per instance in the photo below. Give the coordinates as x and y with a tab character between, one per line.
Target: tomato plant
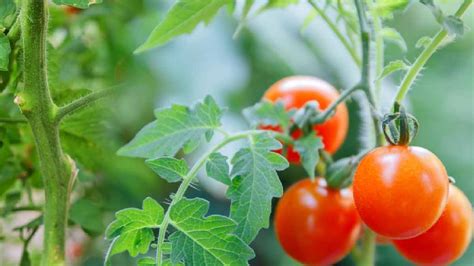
68	157
445	241
308	213
414	185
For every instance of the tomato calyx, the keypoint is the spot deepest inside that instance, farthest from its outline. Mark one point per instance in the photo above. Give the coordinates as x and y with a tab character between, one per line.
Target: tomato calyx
399	127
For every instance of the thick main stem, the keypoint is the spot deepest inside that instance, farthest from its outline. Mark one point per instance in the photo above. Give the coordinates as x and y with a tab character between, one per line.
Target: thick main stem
37	105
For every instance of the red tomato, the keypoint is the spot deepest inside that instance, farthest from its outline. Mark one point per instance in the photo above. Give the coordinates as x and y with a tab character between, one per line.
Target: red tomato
400	191
447	240
316	224
296	91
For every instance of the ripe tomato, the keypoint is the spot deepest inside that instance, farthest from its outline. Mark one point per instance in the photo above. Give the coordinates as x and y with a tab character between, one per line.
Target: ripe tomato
295	91
316	224
447	240
400	191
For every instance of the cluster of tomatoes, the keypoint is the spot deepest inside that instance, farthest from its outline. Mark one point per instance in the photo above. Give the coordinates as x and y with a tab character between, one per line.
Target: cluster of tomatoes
400	192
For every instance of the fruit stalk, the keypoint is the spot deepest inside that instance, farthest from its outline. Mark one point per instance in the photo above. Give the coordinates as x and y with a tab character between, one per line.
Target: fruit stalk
37	105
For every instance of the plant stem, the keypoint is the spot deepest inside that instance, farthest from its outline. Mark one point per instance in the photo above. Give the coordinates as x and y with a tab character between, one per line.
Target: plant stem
330	109
37	105
9	120
426	54
81	103
187	181
338	33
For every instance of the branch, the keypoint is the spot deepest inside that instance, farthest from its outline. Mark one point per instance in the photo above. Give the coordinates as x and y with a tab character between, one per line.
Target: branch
415	69
338	33
9	120
81	103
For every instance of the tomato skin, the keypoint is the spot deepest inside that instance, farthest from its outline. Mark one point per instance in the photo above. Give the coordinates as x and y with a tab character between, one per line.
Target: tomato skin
317	225
400	191
447	240
296	91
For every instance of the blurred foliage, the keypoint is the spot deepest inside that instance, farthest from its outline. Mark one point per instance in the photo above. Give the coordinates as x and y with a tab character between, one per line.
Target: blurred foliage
93	50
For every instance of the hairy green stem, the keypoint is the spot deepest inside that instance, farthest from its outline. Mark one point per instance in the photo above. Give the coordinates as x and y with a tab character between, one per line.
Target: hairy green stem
37	105
426	54
187	181
336	31
330	109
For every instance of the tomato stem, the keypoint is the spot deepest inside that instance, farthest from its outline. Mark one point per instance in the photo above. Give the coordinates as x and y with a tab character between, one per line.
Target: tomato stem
425	55
35	102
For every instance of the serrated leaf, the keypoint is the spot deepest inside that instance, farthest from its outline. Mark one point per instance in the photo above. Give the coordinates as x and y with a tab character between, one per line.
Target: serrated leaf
132	230
393	67
169	168
453	25
392	35
173	129
268	113
182	18
205	240
254	184
218	168
423	42
77	3
4	52
308	147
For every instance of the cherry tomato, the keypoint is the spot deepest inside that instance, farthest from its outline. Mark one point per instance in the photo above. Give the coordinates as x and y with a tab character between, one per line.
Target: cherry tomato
400	191
295	91
315	224
447	240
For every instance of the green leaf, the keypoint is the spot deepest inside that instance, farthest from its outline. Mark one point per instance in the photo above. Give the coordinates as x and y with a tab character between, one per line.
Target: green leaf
88	215
280	3
308	148
11	200
173	129
132	229
169	168
423	42
77	3
146	261
393	67
4	52
254	184
203	240
7	11
308	19
183	17
386	8
268	113
392	35
218	168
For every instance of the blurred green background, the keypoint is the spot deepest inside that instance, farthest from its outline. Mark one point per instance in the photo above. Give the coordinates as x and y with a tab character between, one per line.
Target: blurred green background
95	48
